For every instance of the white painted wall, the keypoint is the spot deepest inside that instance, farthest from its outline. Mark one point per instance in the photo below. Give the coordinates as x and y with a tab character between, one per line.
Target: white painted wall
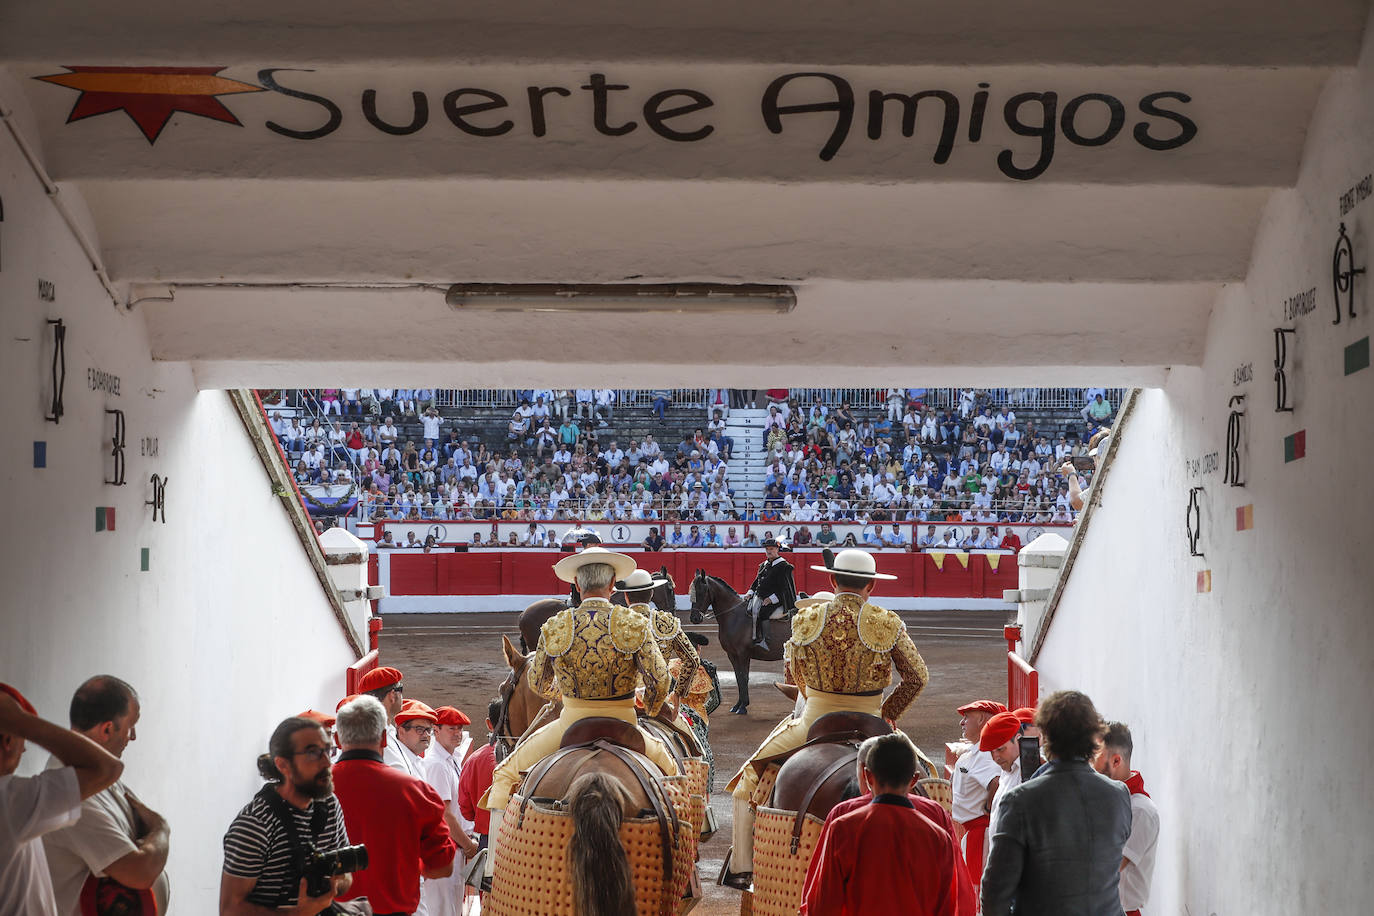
229	631
1249	704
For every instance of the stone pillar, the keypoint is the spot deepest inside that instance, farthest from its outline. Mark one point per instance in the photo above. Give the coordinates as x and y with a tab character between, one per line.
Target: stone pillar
346	556
1039	563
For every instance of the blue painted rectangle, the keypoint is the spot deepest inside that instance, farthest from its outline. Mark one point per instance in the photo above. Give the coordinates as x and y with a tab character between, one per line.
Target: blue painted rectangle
40	454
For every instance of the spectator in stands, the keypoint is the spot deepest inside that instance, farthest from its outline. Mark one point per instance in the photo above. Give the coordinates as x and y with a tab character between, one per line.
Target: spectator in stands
1097	411
731	538
654	540
430	422
750	539
662	397
585	399
894	537
605	406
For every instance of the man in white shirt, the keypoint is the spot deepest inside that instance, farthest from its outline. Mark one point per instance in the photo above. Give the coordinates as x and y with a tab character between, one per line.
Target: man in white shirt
1138	856
117	836
976	777
443	765
605	404
584	403
32	806
1001	738
894	537
430	421
387	433
387	686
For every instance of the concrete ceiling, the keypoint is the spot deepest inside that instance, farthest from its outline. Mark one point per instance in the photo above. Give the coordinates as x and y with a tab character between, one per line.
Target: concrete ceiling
1011	253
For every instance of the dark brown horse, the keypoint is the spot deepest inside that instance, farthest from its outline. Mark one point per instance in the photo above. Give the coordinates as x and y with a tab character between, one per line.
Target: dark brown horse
534	617
735	629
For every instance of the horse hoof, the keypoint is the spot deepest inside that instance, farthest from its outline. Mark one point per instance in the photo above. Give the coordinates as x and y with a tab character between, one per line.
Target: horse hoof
740	710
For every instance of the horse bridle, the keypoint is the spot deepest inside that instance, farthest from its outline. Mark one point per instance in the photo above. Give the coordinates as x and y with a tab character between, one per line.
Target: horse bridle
504	743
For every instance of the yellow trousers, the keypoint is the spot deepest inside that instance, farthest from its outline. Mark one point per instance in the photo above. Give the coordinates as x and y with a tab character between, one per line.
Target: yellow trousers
542	742
789	734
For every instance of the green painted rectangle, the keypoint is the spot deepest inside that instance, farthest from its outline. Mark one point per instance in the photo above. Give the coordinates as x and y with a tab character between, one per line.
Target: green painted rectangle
99	518
143	559
1357	356
1295	446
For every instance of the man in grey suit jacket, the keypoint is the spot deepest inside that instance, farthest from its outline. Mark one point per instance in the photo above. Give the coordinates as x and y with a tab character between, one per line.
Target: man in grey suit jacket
1058	845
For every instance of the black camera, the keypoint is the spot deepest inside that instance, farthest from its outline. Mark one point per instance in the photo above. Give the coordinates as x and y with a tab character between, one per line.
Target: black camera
317	866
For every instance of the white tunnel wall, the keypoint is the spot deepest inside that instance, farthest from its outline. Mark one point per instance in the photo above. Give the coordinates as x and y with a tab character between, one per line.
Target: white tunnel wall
1249	702
228	631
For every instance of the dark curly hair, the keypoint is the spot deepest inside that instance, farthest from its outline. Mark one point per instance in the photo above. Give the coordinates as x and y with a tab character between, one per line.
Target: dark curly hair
1070	725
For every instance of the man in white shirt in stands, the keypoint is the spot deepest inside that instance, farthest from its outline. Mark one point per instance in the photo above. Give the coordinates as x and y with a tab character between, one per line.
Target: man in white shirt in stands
893	536
117	836
976	777
430	421
605	404
1138	856
387	434
32	806
584	403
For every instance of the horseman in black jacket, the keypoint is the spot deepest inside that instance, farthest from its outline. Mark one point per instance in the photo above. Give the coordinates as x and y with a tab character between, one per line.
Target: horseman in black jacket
774	593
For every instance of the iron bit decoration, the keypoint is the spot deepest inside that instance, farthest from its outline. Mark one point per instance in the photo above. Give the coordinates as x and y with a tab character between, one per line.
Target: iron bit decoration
1281	404
1234	430
159	500
1193	520
1343	274
59	369
117	448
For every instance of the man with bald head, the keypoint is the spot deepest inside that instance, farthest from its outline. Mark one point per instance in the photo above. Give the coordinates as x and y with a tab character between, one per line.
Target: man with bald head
117	836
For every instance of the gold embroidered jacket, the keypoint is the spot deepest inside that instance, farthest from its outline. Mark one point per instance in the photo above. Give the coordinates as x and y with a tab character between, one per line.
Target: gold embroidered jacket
672	642
599	651
849	646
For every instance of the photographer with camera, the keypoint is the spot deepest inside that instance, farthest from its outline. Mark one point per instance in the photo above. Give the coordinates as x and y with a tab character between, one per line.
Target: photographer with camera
287	851
399	818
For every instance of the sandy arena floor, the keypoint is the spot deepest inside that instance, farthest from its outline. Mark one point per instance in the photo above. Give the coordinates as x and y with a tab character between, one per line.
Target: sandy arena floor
456	659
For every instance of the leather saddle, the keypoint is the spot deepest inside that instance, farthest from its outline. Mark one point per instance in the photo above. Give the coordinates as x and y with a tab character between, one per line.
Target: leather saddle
842	726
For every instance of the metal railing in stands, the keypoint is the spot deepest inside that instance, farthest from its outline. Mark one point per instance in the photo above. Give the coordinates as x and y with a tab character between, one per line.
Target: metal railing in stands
858	398
502	397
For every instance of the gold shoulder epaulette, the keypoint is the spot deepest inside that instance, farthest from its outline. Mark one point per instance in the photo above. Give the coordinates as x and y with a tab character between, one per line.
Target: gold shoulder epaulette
557	633
879	629
666	625
808	624
629	630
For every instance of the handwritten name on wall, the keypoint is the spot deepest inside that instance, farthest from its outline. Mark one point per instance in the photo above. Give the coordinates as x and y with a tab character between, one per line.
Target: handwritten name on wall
1158	120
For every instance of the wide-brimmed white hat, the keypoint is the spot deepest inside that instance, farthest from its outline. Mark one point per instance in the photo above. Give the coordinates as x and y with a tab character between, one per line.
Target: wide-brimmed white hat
566	568
854	563
639	580
818	598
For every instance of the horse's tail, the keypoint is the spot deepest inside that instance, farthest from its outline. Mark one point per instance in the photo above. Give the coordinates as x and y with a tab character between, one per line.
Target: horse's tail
603	884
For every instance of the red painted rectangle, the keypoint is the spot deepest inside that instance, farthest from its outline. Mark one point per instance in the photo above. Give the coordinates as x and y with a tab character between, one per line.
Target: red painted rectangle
415	574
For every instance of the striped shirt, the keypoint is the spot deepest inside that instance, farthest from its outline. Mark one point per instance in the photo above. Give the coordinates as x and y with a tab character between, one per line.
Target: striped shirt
256	846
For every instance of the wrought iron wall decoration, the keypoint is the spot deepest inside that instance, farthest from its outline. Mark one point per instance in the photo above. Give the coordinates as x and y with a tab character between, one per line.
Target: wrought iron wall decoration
59	369
1234	435
1193	519
117	448
1343	274
1281	404
159	500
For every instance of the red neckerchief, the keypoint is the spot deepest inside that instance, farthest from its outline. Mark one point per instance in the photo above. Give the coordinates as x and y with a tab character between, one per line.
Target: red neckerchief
1137	784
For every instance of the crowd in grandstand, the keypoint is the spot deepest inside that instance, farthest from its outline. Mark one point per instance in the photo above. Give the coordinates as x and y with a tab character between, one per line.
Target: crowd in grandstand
904	460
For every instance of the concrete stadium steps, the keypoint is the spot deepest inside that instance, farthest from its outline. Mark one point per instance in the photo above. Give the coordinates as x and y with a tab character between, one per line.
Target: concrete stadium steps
748	461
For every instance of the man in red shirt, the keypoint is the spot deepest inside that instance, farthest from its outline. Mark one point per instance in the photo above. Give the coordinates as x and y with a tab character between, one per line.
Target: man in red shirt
963	886
399	818
1011	541
884	856
475	779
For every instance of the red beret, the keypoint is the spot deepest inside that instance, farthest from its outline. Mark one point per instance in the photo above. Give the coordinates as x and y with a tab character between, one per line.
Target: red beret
1026	714
992	707
19	698
451	715
378	678
1000	729
414	709
323	718
345	701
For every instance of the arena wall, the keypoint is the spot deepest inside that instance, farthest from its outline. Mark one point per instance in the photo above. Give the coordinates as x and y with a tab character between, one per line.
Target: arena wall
228	630
1244	672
